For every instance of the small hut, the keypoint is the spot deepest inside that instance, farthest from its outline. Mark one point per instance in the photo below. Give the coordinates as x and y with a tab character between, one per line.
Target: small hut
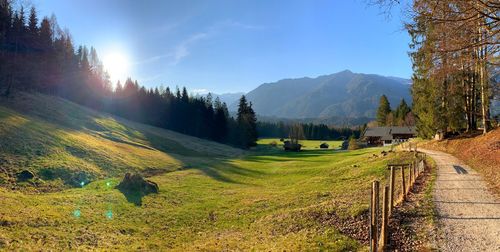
289	146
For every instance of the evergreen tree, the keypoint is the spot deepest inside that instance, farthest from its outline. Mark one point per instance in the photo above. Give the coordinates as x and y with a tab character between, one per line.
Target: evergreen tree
401	111
247	124
221	117
383	110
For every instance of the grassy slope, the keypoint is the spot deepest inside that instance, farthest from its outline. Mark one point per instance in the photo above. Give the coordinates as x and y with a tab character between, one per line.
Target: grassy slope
266	199
59	139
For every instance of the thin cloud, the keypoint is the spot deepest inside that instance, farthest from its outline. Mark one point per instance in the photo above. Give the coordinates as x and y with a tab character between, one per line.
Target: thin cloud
182	50
237	24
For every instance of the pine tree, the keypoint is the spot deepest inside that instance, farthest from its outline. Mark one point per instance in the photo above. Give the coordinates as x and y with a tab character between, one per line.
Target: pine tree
247	124
401	111
220	120
33	23
383	110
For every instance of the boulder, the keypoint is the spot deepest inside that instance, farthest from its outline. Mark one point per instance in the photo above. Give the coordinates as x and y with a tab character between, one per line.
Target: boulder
25	175
137	184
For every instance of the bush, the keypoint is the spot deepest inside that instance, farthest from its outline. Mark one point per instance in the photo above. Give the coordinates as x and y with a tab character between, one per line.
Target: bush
273	143
353	145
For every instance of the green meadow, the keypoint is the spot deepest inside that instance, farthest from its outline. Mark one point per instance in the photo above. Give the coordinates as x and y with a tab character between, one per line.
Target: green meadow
212	196
306	144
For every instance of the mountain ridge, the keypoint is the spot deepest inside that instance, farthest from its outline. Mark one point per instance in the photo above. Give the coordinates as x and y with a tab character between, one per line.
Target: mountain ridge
342	94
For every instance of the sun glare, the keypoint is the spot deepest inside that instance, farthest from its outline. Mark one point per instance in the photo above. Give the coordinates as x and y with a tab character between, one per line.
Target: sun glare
117	65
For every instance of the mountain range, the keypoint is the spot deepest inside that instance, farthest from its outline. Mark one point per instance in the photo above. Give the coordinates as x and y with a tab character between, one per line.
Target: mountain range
343	94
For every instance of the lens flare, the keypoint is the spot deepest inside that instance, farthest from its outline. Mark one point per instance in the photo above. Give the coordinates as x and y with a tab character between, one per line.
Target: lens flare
77	213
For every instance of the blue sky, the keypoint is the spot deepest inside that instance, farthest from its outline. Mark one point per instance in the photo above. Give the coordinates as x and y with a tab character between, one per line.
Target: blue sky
231	46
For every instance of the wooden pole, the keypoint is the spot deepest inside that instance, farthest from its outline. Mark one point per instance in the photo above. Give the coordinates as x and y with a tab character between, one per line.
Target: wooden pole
391	190
403	184
384	231
418	168
417	165
413	168
410	178
374	216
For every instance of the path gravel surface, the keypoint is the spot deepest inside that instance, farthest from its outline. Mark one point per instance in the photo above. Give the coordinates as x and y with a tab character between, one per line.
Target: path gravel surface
468	214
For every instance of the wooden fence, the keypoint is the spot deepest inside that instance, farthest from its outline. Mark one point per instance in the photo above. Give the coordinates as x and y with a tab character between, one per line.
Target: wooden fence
409	173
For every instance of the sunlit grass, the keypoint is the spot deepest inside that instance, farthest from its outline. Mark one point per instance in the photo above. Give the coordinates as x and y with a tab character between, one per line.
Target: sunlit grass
306	144
218	198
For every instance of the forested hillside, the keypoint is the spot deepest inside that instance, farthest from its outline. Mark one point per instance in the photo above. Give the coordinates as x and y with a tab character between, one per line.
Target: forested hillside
40	56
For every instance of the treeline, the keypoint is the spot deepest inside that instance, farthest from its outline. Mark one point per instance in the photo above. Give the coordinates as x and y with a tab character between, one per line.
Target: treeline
401	116
310	131
455	53
40	56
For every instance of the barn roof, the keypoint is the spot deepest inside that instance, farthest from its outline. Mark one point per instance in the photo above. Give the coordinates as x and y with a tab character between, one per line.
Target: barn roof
386	133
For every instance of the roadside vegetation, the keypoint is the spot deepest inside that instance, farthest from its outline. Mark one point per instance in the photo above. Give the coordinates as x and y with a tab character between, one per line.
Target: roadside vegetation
414	222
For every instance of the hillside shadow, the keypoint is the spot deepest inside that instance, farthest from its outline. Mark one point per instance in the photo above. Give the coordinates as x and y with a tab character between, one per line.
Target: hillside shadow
223	170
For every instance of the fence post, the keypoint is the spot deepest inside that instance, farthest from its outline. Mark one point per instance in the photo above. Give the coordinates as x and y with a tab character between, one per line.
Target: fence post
384	231
391	190
417	165
403	184
374	216
410	178
413	169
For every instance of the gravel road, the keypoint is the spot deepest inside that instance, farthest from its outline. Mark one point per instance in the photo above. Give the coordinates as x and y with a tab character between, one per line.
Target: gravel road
468	214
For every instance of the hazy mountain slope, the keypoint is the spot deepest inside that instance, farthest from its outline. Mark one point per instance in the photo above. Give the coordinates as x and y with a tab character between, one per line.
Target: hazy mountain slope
343	94
61	141
229	98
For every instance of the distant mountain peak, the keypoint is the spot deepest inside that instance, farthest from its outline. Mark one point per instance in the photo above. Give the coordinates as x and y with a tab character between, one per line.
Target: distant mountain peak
347	71
344	94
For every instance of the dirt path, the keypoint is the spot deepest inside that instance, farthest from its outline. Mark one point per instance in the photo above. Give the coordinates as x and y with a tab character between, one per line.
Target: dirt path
468	214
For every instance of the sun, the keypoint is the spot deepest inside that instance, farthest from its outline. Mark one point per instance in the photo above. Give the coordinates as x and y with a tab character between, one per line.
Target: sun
117	65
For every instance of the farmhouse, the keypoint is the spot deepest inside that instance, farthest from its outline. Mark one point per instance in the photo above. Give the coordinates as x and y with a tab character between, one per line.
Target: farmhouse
388	135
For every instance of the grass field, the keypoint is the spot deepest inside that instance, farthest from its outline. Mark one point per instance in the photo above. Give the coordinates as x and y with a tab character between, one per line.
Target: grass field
306	144
216	198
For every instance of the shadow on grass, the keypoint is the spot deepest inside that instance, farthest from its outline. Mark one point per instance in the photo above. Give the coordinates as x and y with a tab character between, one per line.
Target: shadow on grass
224	171
292	154
132	196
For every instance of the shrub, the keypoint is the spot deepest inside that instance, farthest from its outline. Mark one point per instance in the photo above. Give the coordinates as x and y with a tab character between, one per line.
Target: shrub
273	143
353	145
